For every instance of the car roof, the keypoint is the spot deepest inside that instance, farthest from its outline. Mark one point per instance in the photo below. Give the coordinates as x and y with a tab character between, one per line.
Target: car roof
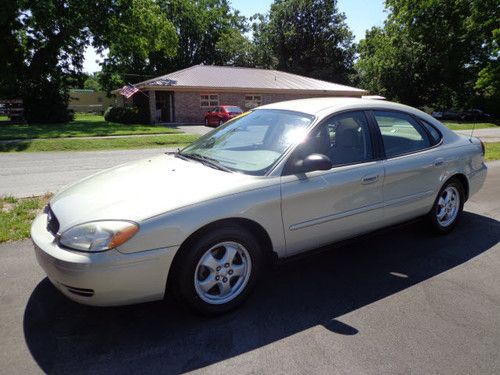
314	106
323	107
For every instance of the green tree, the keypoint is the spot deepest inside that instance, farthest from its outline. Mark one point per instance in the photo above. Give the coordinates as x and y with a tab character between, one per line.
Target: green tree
11	53
429	52
91	82
137	41
207	32
201	24
262	54
488	80
45	42
235	49
308	37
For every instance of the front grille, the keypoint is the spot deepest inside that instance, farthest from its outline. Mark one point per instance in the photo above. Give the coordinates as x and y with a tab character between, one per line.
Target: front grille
52	222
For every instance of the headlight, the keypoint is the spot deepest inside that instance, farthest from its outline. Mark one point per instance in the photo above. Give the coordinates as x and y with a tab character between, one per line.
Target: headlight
98	235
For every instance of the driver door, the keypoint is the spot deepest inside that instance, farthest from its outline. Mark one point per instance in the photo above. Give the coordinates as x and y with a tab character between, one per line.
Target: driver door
321	207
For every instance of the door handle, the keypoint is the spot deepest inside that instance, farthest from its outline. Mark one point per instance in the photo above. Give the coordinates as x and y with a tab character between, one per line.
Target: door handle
438	162
369	180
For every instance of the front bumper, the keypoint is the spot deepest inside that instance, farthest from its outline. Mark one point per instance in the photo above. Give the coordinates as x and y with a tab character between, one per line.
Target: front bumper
107	278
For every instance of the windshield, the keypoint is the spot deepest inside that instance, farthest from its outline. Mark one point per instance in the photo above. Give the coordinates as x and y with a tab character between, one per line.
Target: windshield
233	109
253	142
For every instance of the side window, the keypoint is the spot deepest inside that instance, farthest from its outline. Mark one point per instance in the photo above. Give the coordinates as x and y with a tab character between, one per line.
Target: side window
435	135
345	139
401	133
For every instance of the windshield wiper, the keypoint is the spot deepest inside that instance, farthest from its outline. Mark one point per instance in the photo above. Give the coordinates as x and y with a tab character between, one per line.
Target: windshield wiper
211	162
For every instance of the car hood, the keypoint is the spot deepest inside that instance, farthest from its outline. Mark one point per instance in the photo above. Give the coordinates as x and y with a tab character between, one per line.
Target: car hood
143	189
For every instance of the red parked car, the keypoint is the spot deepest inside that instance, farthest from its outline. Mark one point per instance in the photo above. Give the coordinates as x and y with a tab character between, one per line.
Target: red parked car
219	115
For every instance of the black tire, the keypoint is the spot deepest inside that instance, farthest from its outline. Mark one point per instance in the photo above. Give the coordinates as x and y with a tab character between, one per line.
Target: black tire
186	268
438	226
206	122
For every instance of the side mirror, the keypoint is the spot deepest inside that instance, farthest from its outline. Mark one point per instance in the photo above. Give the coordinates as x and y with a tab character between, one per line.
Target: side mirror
313	162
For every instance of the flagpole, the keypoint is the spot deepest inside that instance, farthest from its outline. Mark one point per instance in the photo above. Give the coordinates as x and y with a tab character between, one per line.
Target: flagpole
143	93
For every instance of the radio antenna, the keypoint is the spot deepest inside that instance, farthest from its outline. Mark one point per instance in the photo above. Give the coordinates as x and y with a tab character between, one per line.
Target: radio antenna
472	130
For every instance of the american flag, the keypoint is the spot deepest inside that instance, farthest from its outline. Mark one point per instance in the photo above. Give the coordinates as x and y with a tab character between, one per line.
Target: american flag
128	91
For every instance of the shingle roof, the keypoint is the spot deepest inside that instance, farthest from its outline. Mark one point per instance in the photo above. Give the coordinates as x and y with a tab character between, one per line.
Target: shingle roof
226	77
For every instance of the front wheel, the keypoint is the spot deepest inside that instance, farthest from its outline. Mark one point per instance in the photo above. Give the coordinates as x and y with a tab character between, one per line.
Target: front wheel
448	207
217	272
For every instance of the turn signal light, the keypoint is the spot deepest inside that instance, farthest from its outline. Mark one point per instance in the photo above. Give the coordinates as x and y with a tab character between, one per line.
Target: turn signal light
123	236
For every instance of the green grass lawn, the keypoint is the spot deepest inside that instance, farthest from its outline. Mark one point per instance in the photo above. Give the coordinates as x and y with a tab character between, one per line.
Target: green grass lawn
4	118
169	140
84	125
492	151
469	125
16	216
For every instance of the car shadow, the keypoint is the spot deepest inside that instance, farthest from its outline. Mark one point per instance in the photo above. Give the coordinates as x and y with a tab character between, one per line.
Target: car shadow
65	337
8	146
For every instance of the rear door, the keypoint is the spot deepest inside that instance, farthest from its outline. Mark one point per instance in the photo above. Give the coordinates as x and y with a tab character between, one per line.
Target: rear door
325	206
413	166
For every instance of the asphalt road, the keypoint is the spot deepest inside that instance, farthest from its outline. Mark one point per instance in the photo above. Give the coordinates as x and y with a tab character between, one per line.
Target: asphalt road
26	174
400	301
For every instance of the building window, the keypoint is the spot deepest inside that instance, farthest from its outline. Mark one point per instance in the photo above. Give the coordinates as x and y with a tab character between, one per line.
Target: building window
252	101
209	100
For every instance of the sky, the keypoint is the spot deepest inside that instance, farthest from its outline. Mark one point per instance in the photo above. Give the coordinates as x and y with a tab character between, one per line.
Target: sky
361	15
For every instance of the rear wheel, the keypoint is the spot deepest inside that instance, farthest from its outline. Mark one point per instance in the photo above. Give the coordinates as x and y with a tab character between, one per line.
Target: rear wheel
217	272
448	207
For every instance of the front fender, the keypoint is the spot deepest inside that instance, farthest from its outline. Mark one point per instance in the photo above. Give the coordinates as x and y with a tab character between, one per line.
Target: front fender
262	205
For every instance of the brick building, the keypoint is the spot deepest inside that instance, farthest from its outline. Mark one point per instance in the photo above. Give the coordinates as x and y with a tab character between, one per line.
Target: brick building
186	95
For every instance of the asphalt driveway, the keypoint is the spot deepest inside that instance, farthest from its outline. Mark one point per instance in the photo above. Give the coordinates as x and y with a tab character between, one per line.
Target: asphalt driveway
400	301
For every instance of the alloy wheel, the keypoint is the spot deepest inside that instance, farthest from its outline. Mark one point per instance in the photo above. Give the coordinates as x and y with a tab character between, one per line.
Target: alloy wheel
448	206
222	272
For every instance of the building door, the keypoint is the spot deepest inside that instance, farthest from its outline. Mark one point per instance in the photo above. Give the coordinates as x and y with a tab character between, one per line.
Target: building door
164	106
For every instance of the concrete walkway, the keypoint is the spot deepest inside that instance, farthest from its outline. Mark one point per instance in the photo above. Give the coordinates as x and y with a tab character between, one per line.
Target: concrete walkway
187	129
486	135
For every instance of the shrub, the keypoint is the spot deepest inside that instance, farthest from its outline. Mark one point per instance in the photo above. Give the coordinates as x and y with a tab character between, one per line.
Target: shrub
126	115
